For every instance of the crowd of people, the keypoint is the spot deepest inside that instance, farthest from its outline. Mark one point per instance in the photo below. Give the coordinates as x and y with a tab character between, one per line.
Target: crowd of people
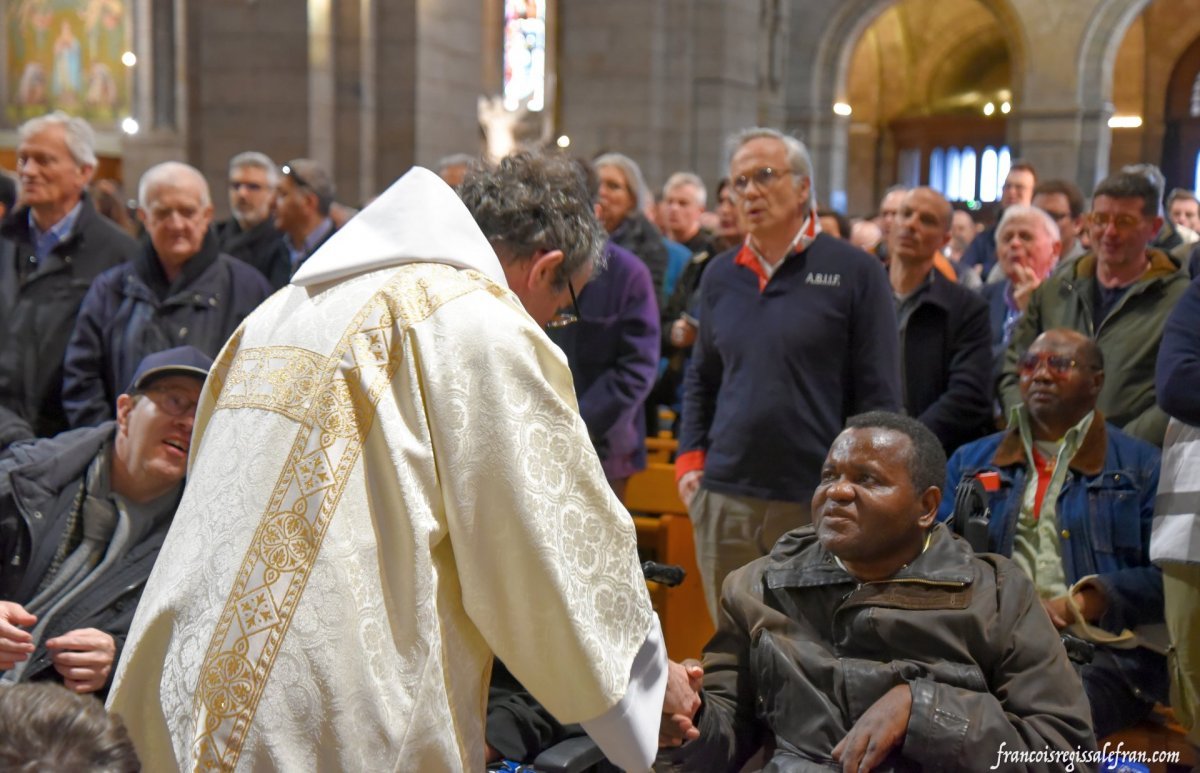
407	434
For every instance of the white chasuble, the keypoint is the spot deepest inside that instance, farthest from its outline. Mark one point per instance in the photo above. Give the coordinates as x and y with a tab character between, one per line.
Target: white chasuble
389	482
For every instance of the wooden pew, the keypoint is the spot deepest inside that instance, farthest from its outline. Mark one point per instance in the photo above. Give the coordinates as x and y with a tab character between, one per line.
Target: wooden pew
661	450
664	534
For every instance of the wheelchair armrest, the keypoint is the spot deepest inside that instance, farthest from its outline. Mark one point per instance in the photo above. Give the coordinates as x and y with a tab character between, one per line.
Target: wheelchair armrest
573	755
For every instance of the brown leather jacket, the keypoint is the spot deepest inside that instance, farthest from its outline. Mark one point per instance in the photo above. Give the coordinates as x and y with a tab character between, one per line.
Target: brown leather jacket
802	650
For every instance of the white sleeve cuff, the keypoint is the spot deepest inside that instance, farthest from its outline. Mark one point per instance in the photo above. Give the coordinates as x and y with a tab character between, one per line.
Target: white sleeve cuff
628	732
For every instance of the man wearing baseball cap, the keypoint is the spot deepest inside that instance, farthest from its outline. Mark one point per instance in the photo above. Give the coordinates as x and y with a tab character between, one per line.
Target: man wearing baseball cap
82	517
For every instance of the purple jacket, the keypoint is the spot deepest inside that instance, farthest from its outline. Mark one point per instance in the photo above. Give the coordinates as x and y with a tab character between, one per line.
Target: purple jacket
613	352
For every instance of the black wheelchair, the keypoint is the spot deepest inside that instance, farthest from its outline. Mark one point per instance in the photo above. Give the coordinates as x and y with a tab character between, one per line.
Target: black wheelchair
579	754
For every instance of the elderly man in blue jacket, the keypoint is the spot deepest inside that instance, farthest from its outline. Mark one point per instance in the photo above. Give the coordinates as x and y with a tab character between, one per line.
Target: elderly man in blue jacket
180	290
1072	502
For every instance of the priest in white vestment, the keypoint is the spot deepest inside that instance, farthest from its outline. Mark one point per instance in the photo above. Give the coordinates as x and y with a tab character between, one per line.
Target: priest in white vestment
390	482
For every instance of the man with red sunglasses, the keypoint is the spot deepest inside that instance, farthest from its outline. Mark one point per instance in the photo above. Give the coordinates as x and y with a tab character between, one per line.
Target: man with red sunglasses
1119	294
1071	501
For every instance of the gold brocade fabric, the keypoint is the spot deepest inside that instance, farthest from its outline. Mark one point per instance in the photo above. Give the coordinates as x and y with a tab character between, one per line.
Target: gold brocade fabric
390	482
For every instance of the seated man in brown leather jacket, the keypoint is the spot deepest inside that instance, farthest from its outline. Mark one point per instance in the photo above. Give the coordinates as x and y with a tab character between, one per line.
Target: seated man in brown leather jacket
876	640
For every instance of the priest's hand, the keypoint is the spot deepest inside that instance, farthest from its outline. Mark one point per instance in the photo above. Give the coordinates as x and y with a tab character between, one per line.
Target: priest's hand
877	732
84	658
15	644
689	483
681	702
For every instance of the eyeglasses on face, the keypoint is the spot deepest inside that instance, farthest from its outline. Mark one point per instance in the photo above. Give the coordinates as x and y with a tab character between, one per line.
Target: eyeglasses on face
1123	222
1058	365
173	402
763	177
564	318
253	187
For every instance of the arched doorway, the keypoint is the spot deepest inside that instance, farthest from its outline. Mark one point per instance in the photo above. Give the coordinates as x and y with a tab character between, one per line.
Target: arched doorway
1181	140
930	86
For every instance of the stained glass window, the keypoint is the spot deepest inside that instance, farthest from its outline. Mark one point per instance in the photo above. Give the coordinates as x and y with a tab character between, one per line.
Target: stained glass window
987	175
953	170
525	54
1003	164
966	178
937	170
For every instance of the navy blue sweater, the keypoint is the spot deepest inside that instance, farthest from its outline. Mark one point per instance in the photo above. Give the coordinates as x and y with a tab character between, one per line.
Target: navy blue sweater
1177	377
775	374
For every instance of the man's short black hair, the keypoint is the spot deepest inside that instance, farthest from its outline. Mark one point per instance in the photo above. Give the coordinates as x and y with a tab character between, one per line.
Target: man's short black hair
1129	185
1021	165
1067	188
843	222
926	461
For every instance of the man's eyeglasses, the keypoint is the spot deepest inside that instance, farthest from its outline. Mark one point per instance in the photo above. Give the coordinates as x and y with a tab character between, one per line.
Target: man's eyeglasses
564	318
250	186
763	177
1123	222
1058	365
173	402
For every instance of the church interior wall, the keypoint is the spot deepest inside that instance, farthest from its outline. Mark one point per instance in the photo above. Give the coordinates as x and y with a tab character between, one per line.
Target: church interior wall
371	87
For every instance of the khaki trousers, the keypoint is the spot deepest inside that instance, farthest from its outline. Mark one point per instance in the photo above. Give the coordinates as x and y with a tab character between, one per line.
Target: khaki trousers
732	531
1181	596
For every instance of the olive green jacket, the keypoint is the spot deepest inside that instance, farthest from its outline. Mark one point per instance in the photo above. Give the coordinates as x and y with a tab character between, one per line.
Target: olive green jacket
1128	337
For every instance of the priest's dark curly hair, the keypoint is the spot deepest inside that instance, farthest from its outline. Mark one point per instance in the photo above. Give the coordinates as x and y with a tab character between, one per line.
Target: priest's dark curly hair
533	201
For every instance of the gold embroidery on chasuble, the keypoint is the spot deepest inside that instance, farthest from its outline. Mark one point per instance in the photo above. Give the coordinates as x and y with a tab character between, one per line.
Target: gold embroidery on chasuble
333	399
283	379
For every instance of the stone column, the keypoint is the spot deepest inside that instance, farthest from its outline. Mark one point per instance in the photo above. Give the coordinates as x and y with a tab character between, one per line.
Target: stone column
609	67
1064	98
819	51
663	81
448	78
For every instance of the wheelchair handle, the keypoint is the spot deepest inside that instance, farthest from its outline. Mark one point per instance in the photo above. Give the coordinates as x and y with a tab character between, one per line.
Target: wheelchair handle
663	574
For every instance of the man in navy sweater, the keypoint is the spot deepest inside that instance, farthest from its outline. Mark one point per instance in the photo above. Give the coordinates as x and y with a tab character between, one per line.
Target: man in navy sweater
798	332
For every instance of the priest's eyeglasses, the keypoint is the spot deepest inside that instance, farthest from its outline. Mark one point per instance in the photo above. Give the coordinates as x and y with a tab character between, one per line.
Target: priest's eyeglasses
564	318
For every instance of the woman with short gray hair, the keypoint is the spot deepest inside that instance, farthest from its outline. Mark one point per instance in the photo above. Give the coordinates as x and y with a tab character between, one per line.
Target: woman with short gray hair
622	200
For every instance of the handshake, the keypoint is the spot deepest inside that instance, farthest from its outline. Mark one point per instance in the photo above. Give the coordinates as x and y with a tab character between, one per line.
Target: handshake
681	703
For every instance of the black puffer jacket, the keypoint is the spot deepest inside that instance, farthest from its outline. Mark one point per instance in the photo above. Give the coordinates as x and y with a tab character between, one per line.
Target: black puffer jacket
802	650
39	482
639	236
132	311
260	246
37	314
